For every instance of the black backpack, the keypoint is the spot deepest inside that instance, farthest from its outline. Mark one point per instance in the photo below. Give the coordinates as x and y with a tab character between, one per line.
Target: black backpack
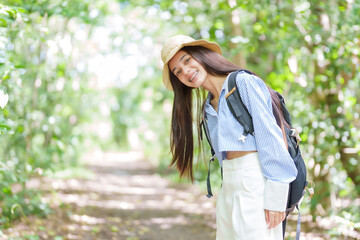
241	114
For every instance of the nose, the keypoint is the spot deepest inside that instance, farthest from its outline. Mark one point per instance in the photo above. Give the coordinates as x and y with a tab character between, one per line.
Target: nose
186	70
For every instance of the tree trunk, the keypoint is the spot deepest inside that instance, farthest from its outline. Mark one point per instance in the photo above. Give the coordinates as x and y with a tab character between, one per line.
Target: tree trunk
236	30
347	157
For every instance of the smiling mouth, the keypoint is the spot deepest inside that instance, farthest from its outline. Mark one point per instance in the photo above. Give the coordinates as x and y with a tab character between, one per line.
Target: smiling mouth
194	75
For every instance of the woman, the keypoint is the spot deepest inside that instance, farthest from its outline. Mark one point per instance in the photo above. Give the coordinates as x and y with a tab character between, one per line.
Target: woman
257	170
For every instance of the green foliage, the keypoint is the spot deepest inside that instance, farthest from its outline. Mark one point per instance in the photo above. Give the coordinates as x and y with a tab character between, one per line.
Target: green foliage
141	115
307	50
48	101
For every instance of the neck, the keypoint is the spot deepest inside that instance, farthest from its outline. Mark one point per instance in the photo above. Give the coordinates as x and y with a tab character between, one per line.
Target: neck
214	84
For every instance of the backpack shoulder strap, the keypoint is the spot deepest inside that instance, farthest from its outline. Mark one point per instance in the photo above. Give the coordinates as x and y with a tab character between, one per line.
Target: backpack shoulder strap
205	126
286	112
236	105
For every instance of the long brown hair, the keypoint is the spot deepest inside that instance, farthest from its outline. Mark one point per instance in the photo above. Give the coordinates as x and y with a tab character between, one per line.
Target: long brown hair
182	133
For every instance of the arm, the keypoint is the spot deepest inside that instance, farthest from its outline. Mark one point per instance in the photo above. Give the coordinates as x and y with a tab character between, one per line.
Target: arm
277	164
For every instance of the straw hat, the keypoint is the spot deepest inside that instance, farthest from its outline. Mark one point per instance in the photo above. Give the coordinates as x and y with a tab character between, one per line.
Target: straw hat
173	45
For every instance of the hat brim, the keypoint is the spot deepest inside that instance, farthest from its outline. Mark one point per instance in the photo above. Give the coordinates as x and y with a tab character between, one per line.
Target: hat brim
203	43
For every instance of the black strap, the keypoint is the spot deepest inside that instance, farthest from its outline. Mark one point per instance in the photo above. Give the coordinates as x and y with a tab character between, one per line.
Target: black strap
236	105
208	184
298	227
204	124
242	115
286	112
239	111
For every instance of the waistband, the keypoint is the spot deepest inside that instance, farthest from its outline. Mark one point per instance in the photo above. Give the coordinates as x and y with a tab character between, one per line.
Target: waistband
249	160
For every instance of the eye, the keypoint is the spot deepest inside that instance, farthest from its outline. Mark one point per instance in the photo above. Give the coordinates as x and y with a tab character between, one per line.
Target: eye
187	60
178	72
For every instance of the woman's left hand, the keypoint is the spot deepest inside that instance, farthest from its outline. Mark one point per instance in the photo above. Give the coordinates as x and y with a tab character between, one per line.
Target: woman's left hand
273	218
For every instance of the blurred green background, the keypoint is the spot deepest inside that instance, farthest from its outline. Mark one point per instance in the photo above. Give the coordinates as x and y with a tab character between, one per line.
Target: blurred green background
84	74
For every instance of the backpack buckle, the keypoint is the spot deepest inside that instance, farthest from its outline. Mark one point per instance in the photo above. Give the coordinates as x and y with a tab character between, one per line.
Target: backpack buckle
311	189
295	133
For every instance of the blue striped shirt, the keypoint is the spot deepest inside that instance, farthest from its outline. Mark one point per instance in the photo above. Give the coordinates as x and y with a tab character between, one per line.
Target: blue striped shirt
225	130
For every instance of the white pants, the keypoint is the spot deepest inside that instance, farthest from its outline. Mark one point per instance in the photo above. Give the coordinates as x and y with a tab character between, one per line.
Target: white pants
240	204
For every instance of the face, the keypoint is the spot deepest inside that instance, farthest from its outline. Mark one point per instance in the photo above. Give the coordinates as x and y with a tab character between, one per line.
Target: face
189	71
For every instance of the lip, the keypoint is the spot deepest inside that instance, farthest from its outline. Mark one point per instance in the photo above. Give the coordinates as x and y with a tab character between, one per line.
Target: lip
193	76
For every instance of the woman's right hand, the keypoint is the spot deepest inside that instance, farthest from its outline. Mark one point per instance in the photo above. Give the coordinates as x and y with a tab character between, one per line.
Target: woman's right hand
273	218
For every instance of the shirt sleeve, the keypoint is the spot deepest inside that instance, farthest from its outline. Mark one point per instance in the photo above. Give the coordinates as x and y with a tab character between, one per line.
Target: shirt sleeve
277	165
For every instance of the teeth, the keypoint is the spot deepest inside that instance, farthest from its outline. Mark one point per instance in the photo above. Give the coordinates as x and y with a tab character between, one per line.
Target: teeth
193	76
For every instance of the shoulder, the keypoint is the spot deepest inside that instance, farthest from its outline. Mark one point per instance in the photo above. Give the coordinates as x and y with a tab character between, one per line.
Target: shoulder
245	79
244	75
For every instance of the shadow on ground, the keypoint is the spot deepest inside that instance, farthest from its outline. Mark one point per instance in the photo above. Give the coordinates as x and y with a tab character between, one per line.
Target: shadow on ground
124	199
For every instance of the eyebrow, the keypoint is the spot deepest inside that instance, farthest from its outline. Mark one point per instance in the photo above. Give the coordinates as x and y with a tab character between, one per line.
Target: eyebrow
179	61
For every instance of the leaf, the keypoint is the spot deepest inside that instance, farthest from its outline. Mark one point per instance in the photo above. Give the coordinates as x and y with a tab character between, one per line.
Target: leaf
95	229
114	228
3	23
4	127
8	192
51	233
42	228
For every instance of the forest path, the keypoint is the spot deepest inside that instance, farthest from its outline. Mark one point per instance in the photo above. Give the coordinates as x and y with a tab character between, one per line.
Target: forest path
123	199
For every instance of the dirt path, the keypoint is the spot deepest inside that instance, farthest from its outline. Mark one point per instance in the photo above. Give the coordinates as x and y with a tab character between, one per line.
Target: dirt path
124	199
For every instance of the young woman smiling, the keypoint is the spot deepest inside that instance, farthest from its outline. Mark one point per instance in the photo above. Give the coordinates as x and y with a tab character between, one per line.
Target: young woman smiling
258	169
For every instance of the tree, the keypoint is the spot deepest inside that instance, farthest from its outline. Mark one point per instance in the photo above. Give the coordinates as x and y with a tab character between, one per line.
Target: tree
309	51
40	125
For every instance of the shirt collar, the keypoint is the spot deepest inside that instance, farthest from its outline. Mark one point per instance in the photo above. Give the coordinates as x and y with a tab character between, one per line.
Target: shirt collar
208	108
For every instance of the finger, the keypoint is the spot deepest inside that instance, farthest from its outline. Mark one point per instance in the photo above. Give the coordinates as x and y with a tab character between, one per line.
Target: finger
275	219
267	217
283	216
271	219
279	218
